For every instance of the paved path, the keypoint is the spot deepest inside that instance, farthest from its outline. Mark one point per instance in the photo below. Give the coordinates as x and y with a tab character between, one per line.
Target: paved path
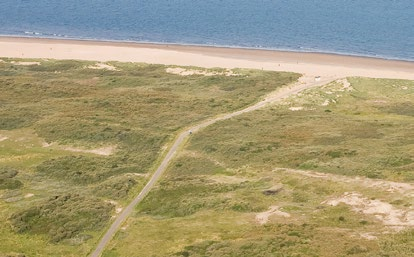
304	83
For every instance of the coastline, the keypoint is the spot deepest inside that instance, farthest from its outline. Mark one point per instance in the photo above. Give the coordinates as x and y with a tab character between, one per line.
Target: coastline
151	44
307	63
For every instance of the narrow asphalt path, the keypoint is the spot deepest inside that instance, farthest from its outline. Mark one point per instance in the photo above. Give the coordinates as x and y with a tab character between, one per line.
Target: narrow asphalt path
302	84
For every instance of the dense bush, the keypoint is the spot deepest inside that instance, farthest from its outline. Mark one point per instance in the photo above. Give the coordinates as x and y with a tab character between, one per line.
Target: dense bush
115	188
289	240
15	118
79	169
7	172
7	180
187	196
63	216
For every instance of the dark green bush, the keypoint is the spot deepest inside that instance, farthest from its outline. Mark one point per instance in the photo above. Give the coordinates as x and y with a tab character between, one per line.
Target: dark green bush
115	188
8	172
7	180
79	169
63	216
288	240
10	184
15	118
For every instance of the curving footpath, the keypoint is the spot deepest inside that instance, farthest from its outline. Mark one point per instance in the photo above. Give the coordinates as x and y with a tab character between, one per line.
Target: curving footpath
305	82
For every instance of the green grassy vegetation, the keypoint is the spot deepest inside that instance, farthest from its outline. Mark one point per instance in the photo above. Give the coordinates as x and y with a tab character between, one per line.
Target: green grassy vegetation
57	192
356	134
7	180
212	200
62	217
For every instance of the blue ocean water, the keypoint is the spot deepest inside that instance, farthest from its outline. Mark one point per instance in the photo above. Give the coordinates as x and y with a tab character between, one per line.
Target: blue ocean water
378	28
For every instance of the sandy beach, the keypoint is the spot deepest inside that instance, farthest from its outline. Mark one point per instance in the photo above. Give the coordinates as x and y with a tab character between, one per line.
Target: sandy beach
309	64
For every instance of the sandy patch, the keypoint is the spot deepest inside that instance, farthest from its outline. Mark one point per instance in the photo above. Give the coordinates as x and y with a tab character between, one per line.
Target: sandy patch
102	66
112	202
2	138
368	236
118	208
379	101
195	154
346	86
139	174
326	103
336	88
46	144
28	195
106	151
273	190
294	109
189	72
25	63
385	212
228	179
263	217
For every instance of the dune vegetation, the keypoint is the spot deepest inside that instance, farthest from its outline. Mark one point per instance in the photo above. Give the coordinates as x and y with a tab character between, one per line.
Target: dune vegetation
79	139
328	172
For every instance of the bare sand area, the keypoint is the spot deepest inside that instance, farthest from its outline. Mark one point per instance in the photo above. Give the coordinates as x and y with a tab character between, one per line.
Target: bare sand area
310	64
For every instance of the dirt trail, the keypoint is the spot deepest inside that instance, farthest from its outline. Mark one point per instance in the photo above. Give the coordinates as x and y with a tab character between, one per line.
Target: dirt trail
304	82
263	217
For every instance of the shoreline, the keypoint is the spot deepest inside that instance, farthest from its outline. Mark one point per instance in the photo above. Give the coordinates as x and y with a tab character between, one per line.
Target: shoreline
178	45
308	63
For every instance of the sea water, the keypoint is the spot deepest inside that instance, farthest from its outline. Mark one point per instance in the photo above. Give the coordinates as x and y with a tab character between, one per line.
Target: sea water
377	28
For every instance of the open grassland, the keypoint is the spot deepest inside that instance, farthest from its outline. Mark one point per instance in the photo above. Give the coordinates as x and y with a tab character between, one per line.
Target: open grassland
328	172
79	139
364	128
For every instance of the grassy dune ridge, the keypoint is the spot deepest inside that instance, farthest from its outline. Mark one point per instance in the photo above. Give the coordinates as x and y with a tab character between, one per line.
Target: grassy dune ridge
78	139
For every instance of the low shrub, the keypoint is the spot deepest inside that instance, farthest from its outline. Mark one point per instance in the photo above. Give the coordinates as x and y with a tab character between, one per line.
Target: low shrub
63	217
287	240
79	169
115	188
7	180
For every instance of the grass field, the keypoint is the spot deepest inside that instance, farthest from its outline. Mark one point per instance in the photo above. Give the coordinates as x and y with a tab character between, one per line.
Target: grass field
328	172
79	139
